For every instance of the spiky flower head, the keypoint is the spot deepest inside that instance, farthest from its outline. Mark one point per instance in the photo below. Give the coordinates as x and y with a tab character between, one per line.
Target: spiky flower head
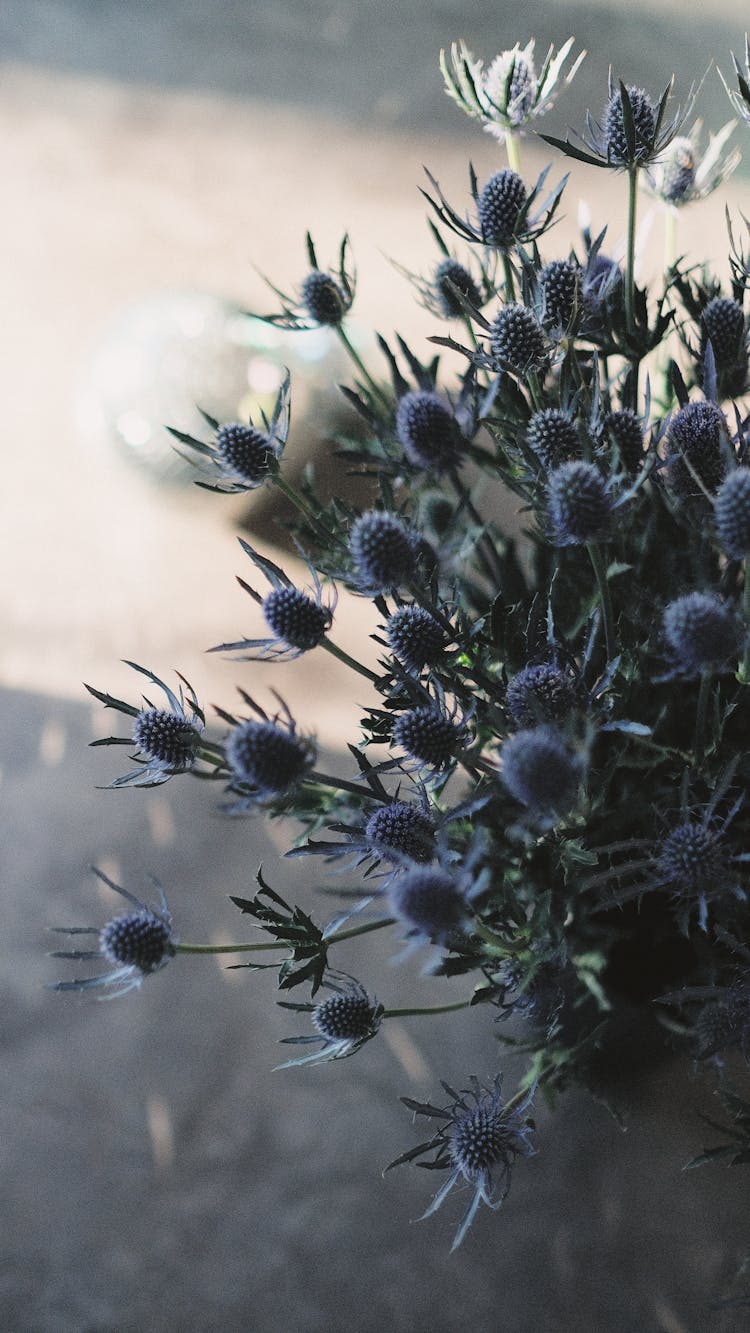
416	638
723	323
429	902
324	299
540	693
560	288
166	738
624	428
501	206
700	631
137	939
511	92
732	513
246	453
478	1140
553	437
298	620
135	944
403	828
517	339
540	771
428	431
450	275
644	113
684	172
346	1016
343	1022
724	1023
695	449
268	757
383	551
579	504
428	735
691	860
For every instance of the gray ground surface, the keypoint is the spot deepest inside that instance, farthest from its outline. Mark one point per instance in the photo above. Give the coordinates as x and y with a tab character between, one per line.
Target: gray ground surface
256	1201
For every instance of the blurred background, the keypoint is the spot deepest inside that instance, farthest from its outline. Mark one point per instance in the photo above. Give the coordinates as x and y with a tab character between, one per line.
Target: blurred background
157	1175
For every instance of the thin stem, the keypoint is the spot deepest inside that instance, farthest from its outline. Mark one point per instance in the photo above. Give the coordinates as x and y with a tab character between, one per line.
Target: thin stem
362	368
510	282
339	653
299	502
434	1009
490	560
701	717
630	269
512	149
535	390
335	938
670	238
605	601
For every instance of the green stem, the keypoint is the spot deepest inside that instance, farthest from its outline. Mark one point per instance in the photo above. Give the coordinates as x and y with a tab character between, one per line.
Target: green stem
434	1009
494	943
630	276
605	600
512	149
670	238
701	717
510	282
336	938
362	368
535	390
299	502
339	653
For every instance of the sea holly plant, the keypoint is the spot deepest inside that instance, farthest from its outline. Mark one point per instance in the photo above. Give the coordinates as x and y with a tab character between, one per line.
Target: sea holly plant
553	757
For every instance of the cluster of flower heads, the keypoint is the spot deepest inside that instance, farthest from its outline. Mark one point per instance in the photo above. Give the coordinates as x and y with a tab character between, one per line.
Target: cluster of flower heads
555	734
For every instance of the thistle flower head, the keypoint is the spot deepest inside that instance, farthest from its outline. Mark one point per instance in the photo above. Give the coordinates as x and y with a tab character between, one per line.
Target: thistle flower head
295	618
553	436
241	456
701	633
624	428
579	504
134	944
324	298
560	288
723	324
517	339
416	638
451	276
621	149
695	449
428	431
691	859
429	902
403	828
511	91
383	551
540	771
724	1023
480	1135
501	206
166	739
268	757
732	514
246	453
540	693
429	735
344	1021
684	172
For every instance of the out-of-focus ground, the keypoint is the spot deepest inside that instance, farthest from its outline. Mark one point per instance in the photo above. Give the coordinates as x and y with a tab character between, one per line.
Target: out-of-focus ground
156	1175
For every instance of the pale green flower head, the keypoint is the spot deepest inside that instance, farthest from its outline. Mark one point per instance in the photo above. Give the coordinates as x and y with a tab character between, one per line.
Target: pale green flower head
510	93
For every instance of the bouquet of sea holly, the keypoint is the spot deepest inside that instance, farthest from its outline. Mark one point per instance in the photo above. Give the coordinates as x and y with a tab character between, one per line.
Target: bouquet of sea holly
548	798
